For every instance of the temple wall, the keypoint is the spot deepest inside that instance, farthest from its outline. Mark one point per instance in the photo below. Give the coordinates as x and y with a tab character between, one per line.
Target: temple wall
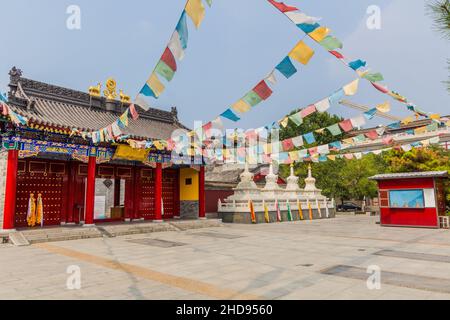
189	209
3	168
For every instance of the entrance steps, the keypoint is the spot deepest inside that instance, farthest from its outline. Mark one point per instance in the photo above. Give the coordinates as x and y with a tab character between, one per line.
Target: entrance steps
65	233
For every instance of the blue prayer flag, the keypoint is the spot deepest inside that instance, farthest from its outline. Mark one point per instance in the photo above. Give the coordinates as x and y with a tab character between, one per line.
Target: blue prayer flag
309	137
370	114
355	65
182	30
286	67
147	91
308	27
337	96
230	115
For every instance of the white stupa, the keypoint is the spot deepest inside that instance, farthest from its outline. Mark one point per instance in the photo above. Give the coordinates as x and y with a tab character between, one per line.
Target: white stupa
310	191
272	190
293	190
247	188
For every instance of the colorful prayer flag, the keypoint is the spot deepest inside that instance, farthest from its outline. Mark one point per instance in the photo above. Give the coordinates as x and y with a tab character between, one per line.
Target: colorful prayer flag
196	11
370	114
176	47
282	7
373	77
319	34
252	98
155	85
357	64
164	70
323	105
334	130
352	88
302	53
241	106
183	30
331	43
297	119
230	115
263	90
169	59
286	68
309	137
346	125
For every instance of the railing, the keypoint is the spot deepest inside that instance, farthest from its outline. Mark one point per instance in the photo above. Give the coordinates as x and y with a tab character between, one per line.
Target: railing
260	205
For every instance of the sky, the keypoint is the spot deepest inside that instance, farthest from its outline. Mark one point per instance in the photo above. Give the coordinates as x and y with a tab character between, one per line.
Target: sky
238	44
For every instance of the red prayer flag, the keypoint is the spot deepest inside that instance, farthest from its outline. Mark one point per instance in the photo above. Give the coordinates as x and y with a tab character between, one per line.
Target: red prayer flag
372	135
288	145
380	87
308	111
169	59
388	140
346	125
263	90
282	7
133	112
337	54
313	151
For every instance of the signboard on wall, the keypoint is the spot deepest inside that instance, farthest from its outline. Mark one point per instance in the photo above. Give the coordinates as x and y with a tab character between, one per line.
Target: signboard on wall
100	208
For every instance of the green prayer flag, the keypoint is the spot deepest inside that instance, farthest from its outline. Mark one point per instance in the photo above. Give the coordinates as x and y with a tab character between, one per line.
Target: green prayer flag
335	130
360	138
297	119
209	2
252	98
164	71
331	43
374	77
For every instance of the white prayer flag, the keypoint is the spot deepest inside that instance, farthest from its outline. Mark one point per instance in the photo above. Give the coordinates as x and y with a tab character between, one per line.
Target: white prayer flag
175	46
323	105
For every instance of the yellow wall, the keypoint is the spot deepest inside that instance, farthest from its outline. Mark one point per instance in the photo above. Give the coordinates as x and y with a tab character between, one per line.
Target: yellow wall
188	192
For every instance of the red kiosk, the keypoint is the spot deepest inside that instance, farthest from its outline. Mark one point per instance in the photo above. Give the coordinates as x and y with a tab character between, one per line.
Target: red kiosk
412	199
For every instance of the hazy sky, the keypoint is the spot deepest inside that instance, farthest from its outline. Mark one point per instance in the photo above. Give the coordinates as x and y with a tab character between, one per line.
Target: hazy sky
238	43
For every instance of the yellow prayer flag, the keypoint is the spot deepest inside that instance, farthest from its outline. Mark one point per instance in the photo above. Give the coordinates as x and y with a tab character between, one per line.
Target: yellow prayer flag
407	121
361	74
267	148
349	141
421	130
385	107
435	117
320	131
332	157
124	118
294	156
241	106
156	85
285	122
352	88
302	53
320	33
448	123
196	11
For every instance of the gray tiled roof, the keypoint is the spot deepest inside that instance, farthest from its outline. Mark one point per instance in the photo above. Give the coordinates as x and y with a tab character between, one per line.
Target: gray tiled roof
64	108
411	175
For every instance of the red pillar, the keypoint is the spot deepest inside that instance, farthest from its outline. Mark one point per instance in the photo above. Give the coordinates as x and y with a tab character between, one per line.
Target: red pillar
201	194
10	190
90	192
158	192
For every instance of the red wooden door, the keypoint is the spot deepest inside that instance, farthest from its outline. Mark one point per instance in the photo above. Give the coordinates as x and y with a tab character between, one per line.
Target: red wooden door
146	194
42	177
170	198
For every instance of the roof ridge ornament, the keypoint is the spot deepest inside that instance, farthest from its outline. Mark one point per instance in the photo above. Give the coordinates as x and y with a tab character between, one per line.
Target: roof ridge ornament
110	92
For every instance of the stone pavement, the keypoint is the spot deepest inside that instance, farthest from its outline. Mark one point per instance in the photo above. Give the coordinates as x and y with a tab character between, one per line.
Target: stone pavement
322	259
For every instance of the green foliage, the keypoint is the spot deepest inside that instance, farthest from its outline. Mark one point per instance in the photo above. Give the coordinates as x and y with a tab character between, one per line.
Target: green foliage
439	10
311	123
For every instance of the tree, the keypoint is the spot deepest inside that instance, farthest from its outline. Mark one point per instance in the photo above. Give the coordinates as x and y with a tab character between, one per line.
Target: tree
340	179
439	10
423	159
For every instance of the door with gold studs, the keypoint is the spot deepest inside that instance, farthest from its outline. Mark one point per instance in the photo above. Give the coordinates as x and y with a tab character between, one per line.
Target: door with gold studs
47	178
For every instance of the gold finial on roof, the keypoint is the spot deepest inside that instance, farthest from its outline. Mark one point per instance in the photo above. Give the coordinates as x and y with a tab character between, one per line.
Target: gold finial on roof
110	92
124	98
95	91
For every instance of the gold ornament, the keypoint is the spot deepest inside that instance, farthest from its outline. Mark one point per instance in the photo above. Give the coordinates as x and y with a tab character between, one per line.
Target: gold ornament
95	91
110	92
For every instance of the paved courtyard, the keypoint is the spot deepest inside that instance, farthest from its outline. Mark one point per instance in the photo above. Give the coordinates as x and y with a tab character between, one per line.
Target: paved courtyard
325	259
